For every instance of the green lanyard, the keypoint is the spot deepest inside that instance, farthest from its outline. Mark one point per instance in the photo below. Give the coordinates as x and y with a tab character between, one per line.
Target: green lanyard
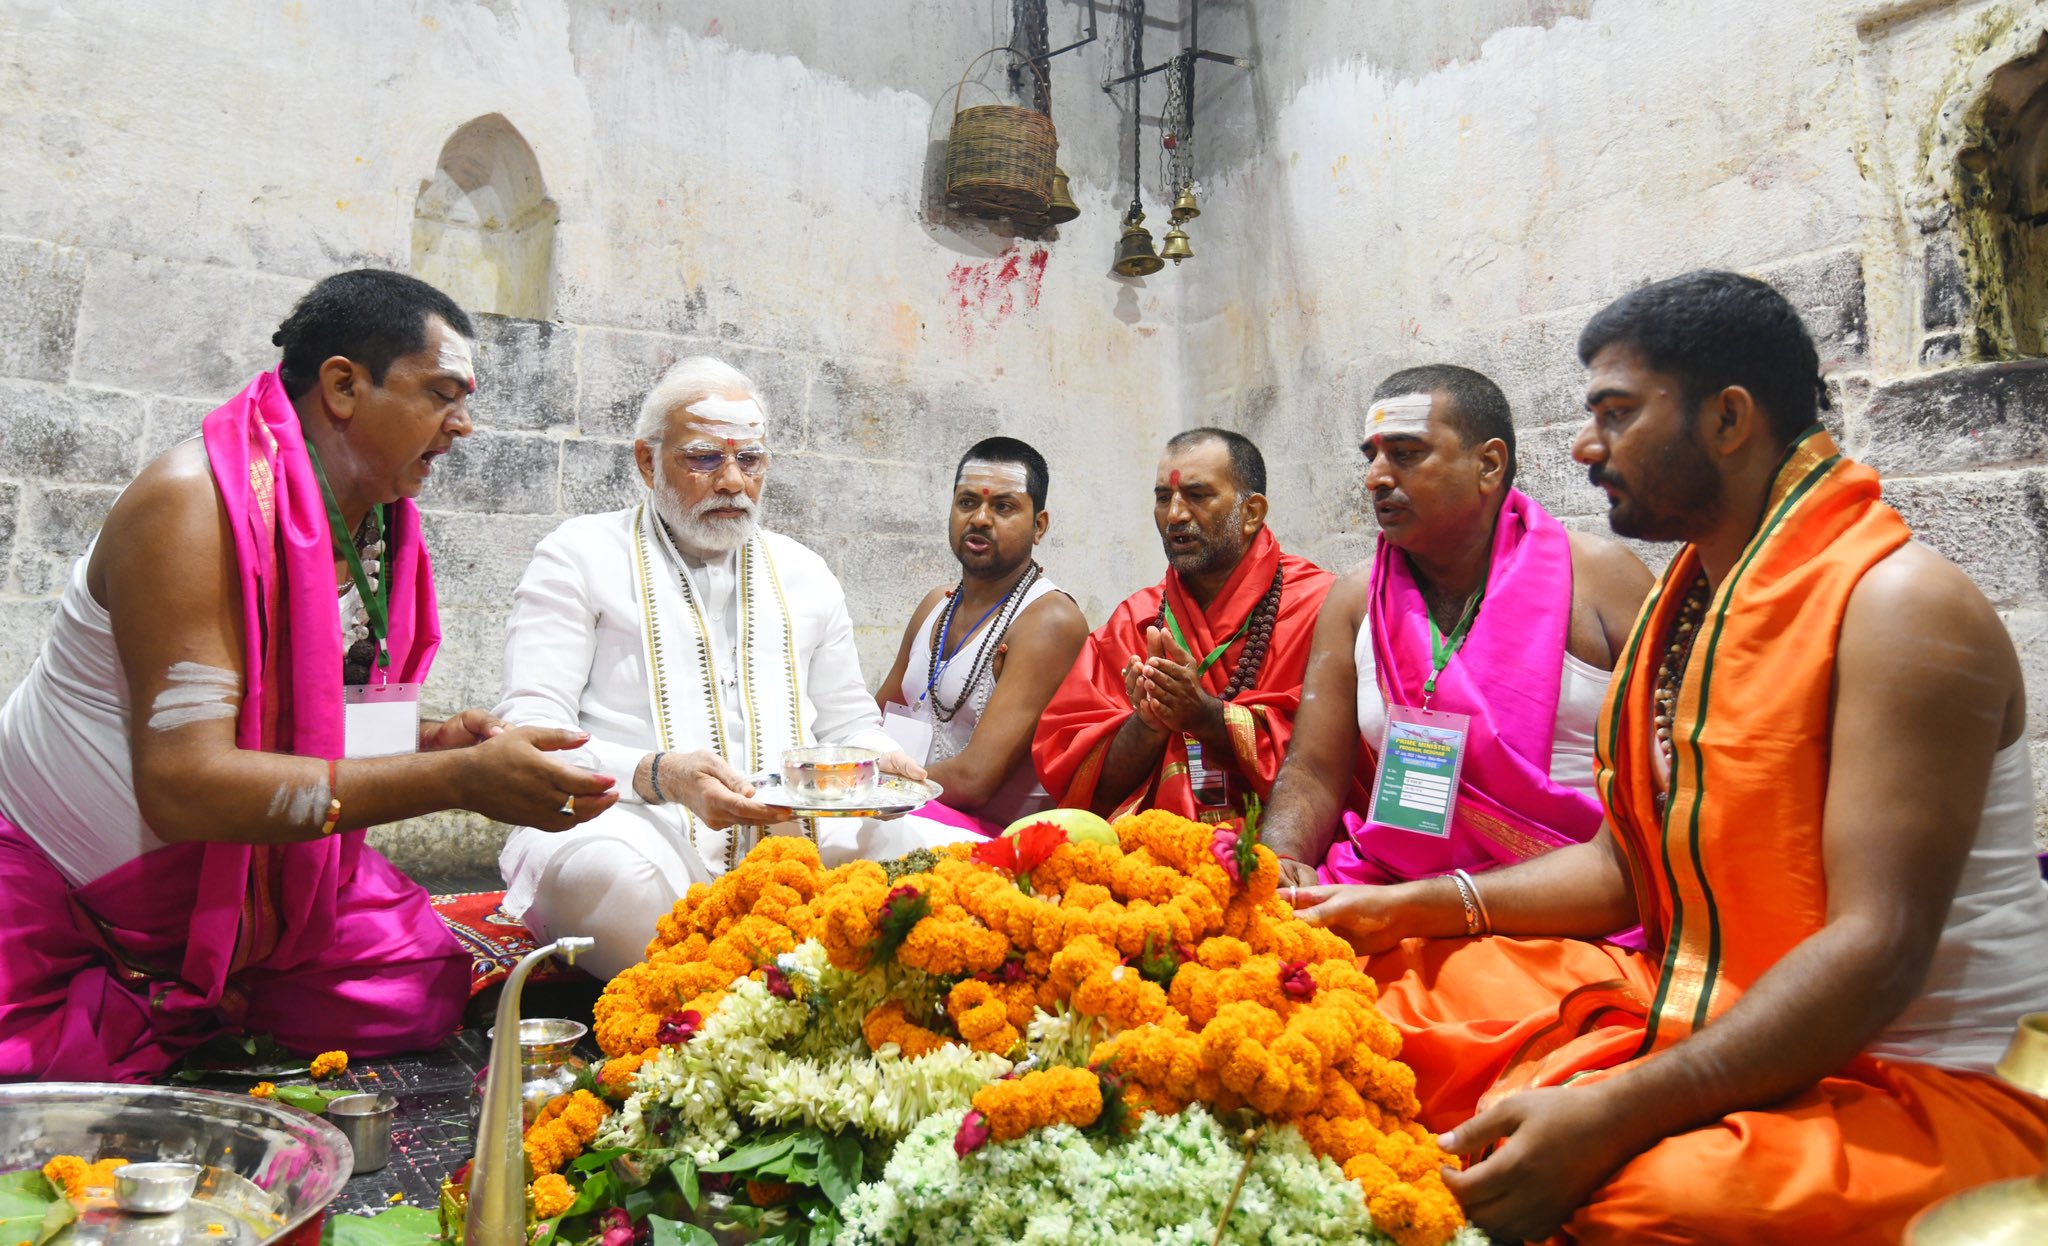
1173	625
1442	647
375	603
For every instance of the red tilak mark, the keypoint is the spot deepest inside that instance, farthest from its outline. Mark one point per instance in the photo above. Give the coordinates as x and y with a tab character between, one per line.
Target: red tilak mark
984	495
1173	480
729	443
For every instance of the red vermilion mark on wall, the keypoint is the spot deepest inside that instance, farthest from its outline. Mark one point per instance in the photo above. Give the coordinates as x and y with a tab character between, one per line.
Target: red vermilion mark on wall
984	295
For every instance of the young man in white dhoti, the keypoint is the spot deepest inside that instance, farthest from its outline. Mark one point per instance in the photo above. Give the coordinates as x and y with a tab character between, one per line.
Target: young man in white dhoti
694	648
980	660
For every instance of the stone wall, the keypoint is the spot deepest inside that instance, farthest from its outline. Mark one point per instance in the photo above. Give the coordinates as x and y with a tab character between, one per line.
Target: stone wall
1460	182
752	181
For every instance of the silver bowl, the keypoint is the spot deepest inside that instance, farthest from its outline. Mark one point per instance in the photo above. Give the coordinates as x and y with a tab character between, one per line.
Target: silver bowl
830	773
267	1172
155	1188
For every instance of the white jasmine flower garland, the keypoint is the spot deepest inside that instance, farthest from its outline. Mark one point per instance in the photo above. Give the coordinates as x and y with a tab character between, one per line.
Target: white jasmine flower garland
1164	1185
759	1060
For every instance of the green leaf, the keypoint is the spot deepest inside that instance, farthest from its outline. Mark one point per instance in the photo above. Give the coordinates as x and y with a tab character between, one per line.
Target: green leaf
637	1204
755	1155
684	1171
824	1226
596	1159
839	1168
309	1098
395	1226
31	1209
596	1193
679	1233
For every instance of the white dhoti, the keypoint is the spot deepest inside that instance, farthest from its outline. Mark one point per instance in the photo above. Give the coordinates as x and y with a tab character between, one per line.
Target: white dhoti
613	632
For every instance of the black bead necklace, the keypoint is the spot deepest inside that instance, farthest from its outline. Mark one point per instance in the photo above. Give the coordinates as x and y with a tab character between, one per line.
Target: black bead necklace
991	641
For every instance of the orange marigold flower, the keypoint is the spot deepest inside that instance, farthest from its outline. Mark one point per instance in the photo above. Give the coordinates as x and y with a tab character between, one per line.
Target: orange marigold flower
263	1090
1055	1096
890	1023
551	1194
563	1129
330	1063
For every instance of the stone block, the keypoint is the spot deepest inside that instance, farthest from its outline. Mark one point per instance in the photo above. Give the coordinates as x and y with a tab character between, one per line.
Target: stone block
191	330
468	669
1535	361
1992	524
499	473
455	842
1546	471
40	285
1828	291
58	524
599	475
66	433
820	499
1938	350
885	578
2038	752
615	369
867	409
1978	416
1944	297
1656	555
170	421
10	513
24	625
525	374
2028	627
478	559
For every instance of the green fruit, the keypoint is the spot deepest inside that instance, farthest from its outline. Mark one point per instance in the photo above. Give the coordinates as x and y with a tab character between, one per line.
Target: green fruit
1081	826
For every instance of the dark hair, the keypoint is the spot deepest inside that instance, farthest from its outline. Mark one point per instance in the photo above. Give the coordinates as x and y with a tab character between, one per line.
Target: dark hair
370	315
1477	408
1714	329
1246	463
1011	450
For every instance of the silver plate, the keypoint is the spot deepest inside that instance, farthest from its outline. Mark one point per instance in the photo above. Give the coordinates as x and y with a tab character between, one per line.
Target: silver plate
268	1168
892	797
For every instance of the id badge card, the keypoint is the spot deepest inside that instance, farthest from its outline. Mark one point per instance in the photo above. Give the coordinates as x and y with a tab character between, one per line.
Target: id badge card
912	734
1209	786
1421	755
380	720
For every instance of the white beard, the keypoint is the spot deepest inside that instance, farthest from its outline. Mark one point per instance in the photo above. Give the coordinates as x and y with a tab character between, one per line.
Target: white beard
696	532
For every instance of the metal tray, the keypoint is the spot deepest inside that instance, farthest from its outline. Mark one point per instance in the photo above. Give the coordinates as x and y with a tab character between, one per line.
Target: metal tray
892	797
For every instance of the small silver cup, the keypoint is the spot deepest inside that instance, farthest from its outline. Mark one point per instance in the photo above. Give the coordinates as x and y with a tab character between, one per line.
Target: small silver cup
154	1188
830	774
365	1120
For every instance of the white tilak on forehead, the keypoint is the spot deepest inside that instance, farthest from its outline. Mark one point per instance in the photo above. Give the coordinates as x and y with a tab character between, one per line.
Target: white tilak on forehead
995	477
197	693
456	357
734	419
1404	416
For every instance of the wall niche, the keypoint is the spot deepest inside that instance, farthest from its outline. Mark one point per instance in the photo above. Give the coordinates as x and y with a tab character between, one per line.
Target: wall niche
483	227
2001	200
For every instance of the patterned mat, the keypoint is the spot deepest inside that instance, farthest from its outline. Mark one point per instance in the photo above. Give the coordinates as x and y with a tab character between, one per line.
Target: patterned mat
494	940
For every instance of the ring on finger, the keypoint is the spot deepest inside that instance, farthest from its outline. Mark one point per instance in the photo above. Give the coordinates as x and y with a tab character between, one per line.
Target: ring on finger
568	805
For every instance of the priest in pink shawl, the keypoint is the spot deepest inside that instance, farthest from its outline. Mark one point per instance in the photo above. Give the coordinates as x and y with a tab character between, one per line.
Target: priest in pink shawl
1477	602
183	782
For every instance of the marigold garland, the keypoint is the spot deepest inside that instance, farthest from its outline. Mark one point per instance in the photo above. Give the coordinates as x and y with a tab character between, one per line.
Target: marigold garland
551	1194
561	1131
1251	1008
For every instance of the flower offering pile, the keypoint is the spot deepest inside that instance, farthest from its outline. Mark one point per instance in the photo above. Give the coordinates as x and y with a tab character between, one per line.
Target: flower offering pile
1035	1039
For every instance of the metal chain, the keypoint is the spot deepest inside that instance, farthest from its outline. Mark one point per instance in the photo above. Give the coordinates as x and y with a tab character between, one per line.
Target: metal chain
1177	119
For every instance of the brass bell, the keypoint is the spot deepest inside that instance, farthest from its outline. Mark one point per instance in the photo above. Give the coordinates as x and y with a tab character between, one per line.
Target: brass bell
2004	1213
1134	254
1185	208
1176	248
1061	208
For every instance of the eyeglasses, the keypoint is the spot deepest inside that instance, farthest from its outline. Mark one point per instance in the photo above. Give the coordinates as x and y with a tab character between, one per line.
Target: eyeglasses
704	460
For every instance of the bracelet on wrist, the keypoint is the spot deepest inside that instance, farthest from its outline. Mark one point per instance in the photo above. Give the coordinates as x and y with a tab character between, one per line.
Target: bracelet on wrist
654	777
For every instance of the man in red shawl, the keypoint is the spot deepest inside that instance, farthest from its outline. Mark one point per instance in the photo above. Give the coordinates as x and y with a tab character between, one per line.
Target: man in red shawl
1184	700
228	696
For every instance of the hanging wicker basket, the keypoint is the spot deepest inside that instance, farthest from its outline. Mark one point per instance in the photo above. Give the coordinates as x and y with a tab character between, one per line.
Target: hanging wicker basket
999	157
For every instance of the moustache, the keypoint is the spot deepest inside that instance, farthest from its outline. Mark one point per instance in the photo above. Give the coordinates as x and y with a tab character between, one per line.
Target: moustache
737	502
1601	478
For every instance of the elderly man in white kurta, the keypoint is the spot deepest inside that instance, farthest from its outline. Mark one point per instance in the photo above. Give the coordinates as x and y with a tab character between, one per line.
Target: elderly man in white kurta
694	647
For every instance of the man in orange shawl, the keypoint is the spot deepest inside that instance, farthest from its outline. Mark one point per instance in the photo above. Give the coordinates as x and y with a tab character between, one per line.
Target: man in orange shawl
1818	805
1185	698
